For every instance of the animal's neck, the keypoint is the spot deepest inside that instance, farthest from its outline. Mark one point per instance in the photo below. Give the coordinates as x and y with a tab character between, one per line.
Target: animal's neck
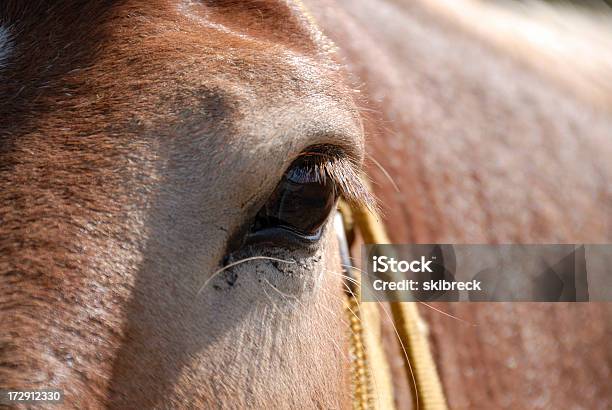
459	123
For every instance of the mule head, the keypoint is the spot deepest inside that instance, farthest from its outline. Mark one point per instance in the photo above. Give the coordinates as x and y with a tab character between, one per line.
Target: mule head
144	147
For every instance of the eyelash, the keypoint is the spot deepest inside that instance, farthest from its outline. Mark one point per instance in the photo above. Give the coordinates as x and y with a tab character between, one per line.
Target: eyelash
299	206
312	170
296	212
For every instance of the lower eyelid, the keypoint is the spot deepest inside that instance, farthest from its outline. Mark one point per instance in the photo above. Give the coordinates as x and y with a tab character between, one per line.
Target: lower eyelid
286	238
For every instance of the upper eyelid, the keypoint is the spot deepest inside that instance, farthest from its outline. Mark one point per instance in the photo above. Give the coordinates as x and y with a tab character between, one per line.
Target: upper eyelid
341	149
343	170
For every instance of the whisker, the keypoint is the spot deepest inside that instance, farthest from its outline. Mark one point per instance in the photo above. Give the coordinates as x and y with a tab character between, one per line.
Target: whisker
426	304
346	286
448	314
297	300
384	171
399	339
271	301
356	317
231	265
367	109
414	383
280	292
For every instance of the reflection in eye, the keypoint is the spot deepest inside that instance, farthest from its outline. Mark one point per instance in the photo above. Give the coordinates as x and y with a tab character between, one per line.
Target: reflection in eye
302	200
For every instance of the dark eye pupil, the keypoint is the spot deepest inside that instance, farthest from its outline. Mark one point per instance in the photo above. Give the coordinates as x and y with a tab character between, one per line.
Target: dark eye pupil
301	202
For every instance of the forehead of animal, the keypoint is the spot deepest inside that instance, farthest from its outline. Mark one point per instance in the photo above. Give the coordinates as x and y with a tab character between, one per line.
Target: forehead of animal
171	88
72	49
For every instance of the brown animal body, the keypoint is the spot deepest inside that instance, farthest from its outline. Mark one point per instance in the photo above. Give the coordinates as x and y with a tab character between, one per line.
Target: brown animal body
486	147
139	139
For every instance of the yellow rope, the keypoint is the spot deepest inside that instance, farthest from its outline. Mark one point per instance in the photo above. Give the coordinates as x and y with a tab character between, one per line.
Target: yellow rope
370	374
381	385
412	331
360	375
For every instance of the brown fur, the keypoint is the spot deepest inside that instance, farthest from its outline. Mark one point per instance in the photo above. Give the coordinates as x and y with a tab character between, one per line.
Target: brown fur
486	149
139	137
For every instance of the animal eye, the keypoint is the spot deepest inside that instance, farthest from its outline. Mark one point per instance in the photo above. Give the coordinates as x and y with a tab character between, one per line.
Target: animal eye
300	204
